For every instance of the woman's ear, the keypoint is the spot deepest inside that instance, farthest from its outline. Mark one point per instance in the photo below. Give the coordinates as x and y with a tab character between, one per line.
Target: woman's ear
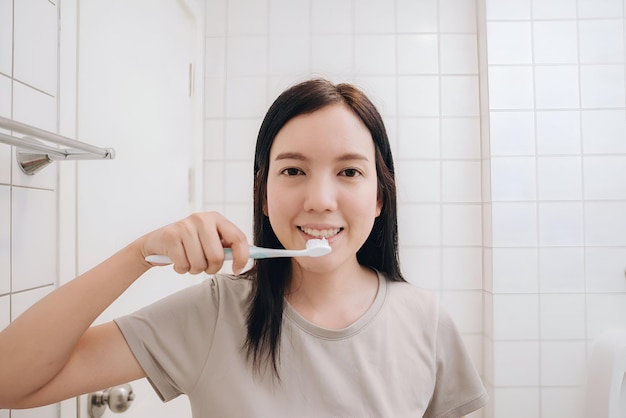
379	206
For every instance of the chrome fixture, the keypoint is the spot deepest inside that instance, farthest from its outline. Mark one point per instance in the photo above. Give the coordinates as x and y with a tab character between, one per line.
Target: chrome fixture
117	398
33	154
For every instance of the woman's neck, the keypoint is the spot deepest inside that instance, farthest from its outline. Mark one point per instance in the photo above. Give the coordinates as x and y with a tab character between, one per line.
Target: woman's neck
335	299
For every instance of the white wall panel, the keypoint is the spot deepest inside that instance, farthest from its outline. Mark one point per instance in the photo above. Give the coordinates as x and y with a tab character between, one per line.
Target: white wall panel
38	109
5	239
6	36
34	238
35	44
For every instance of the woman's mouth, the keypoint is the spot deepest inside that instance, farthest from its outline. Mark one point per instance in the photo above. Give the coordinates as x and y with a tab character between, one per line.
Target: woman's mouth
321	233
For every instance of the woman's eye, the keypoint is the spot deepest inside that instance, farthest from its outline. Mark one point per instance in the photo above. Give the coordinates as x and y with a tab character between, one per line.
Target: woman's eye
292	171
350	172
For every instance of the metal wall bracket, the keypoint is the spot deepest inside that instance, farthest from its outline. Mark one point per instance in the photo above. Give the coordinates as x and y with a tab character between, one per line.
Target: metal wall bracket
33	154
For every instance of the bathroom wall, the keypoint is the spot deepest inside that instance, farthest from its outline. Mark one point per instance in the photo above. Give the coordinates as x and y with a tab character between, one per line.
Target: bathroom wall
555	196
418	61
507	119
30	264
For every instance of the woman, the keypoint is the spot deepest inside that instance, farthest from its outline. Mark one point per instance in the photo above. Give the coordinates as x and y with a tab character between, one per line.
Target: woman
340	335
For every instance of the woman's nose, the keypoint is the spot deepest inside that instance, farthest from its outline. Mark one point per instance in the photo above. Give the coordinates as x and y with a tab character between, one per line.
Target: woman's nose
320	195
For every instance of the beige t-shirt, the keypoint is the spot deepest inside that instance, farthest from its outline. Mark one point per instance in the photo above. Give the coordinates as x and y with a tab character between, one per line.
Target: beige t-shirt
402	358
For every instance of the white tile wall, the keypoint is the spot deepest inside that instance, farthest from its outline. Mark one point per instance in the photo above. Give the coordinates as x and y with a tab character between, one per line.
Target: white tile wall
516	363
562	402
459	96
513	179
425	265
601	41
605	224
508	9
600	176
460	181
558	132
417	16
562	316
556	116
5	239
33	237
562	270
5	311
555	42
511	87
28	204
515	270
510	43
553	9
602	86
458	53
418	181
5	96
35	57
460	138
556	87
243	17
35	108
6	36
559	178
332	16
421	138
603	131
604	269
375	54
604	313
418	54
289	17
519	200
50	411
332	54
560	224
418	96
516	402
516	317
512	133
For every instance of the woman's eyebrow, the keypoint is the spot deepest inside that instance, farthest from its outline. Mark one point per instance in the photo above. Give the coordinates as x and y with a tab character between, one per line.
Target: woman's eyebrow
351	156
290	156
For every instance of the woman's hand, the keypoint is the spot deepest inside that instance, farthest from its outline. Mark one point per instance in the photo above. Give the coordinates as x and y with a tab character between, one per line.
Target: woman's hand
196	243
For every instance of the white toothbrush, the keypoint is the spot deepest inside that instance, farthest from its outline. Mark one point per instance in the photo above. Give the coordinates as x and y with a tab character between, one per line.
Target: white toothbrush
314	248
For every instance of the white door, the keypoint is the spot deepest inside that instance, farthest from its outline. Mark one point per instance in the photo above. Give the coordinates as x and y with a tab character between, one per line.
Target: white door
134	88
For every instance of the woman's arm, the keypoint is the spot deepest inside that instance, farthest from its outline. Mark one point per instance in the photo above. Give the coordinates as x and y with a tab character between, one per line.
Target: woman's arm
37	346
50	353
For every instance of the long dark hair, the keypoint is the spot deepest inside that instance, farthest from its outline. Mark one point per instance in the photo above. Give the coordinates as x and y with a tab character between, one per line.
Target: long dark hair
271	276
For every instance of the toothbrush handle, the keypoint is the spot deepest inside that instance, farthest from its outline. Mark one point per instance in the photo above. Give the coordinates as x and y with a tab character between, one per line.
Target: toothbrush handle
255	252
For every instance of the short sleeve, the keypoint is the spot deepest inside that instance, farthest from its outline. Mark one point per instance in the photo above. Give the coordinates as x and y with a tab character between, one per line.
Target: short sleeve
172	337
458	387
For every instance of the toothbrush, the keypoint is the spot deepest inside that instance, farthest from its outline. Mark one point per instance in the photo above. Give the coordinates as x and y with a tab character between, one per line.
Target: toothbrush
314	248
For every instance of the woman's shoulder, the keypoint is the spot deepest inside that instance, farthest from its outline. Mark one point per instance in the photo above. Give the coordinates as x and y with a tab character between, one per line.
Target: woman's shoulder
229	283
406	295
411	290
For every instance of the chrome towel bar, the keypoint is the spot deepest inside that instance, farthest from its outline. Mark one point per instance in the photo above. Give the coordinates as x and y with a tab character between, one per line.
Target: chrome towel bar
33	155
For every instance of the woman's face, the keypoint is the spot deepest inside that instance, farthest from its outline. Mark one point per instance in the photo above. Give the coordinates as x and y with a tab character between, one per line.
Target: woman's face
322	183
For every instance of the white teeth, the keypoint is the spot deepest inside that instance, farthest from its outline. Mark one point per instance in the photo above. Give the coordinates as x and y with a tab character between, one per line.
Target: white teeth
321	233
